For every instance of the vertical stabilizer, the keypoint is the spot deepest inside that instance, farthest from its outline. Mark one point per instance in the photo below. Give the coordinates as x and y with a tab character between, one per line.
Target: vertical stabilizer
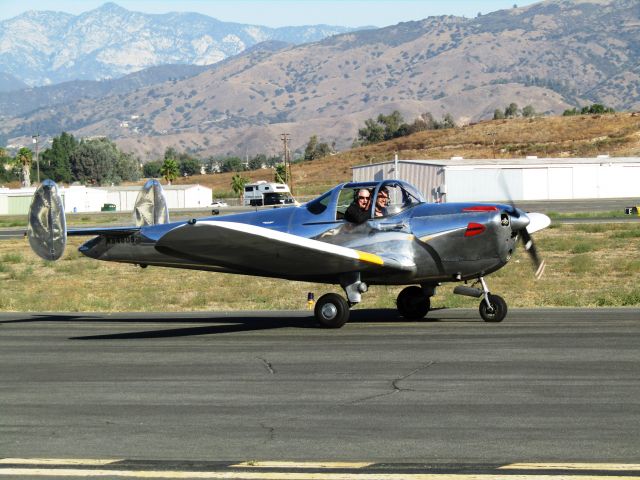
151	205
47	229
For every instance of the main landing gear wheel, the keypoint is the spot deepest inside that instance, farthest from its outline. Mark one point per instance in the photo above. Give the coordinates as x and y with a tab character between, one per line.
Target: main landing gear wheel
332	310
413	303
496	312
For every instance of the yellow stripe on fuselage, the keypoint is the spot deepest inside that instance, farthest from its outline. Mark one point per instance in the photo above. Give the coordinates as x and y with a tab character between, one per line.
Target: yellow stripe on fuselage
370	258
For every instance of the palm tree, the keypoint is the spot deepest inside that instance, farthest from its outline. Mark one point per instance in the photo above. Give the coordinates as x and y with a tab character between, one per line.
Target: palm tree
237	184
23	158
170	170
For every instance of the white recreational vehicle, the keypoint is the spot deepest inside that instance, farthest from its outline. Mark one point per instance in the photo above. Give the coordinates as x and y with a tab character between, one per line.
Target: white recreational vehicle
266	193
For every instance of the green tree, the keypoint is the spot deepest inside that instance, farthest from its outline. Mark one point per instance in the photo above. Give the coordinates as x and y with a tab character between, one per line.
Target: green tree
170	152
55	161
23	159
280	173
256	163
170	170
232	164
322	150
391	124
99	161
189	166
127	167
310	150
315	149
152	169
528	111
596	109
237	184
511	111
447	121
498	114
372	132
7	167
273	160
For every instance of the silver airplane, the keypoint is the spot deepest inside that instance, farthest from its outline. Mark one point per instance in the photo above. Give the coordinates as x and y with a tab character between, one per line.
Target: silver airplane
413	243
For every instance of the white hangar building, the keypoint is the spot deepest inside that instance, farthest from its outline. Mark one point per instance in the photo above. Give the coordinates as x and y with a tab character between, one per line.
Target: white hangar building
91	199
461	180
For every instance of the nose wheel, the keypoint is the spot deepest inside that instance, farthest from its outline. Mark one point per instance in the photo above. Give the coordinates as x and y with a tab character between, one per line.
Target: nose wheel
493	308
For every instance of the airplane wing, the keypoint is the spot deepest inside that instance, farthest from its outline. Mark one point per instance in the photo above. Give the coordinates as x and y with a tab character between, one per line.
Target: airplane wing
260	250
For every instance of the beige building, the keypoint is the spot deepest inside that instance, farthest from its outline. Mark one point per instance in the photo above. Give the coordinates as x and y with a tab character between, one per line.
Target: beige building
92	199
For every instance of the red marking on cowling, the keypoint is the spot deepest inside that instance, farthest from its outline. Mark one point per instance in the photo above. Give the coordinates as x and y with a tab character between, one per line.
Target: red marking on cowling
474	229
481	208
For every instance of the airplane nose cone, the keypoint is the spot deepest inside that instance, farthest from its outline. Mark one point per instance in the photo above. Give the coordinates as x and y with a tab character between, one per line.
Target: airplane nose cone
519	220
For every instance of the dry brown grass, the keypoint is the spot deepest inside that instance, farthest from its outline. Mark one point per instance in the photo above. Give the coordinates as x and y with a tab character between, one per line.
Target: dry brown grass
591	265
582	135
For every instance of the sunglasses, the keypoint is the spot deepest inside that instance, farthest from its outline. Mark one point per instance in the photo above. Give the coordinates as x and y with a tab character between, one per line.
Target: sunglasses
363	198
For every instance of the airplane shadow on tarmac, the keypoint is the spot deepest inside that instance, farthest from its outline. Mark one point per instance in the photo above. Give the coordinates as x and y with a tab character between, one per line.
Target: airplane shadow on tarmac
227	323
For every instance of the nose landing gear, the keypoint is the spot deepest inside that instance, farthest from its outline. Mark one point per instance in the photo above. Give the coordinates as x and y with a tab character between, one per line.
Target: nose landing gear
492	308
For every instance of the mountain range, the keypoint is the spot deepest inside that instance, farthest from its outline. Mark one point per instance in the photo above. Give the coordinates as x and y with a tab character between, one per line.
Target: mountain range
553	55
45	47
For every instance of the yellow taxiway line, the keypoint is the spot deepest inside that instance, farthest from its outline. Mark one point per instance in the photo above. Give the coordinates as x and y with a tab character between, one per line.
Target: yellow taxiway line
254	475
608	467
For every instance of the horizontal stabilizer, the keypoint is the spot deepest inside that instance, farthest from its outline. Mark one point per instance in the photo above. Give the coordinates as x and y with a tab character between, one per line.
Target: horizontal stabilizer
112	231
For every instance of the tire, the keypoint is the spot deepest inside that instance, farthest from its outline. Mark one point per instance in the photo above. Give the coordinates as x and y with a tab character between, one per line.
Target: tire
498	309
412	303
332	310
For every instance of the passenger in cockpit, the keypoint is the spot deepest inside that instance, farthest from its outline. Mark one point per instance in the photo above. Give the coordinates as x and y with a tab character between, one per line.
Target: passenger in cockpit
359	210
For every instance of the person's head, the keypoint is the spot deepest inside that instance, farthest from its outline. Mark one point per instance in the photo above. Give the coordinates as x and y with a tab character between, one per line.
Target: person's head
383	198
364	197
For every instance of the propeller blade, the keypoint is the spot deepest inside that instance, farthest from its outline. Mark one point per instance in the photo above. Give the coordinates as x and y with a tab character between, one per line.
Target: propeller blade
530	247
537	221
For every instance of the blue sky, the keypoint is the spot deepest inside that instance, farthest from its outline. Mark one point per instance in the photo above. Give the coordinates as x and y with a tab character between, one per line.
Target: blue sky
276	13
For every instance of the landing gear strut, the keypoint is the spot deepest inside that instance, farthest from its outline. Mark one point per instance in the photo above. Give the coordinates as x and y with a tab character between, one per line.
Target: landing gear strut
492	308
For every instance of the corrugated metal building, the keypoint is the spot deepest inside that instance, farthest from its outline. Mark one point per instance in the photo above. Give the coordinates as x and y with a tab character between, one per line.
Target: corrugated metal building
91	199
461	180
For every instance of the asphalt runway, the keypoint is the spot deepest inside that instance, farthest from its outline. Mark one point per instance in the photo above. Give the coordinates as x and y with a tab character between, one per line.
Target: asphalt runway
168	390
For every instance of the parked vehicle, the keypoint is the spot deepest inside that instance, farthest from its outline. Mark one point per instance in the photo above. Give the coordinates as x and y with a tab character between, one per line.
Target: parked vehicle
266	193
218	204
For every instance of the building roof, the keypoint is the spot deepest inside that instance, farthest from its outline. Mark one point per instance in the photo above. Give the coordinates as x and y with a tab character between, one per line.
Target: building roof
516	162
120	188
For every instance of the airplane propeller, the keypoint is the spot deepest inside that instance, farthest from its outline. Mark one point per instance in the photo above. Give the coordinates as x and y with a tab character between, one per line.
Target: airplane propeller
530	247
524	225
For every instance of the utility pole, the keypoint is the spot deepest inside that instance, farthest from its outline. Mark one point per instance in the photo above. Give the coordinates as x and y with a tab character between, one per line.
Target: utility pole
493	146
34	138
288	178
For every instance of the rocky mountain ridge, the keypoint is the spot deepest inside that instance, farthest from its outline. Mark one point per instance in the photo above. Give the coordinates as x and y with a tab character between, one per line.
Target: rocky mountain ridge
553	55
44	47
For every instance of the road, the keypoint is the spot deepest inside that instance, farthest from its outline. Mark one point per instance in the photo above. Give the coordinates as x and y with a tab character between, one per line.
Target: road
548	385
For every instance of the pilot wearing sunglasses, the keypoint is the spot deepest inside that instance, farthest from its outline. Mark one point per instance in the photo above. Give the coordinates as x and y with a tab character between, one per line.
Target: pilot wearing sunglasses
358	211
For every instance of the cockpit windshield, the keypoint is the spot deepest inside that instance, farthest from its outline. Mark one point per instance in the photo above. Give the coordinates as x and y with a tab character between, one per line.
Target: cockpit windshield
362	201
